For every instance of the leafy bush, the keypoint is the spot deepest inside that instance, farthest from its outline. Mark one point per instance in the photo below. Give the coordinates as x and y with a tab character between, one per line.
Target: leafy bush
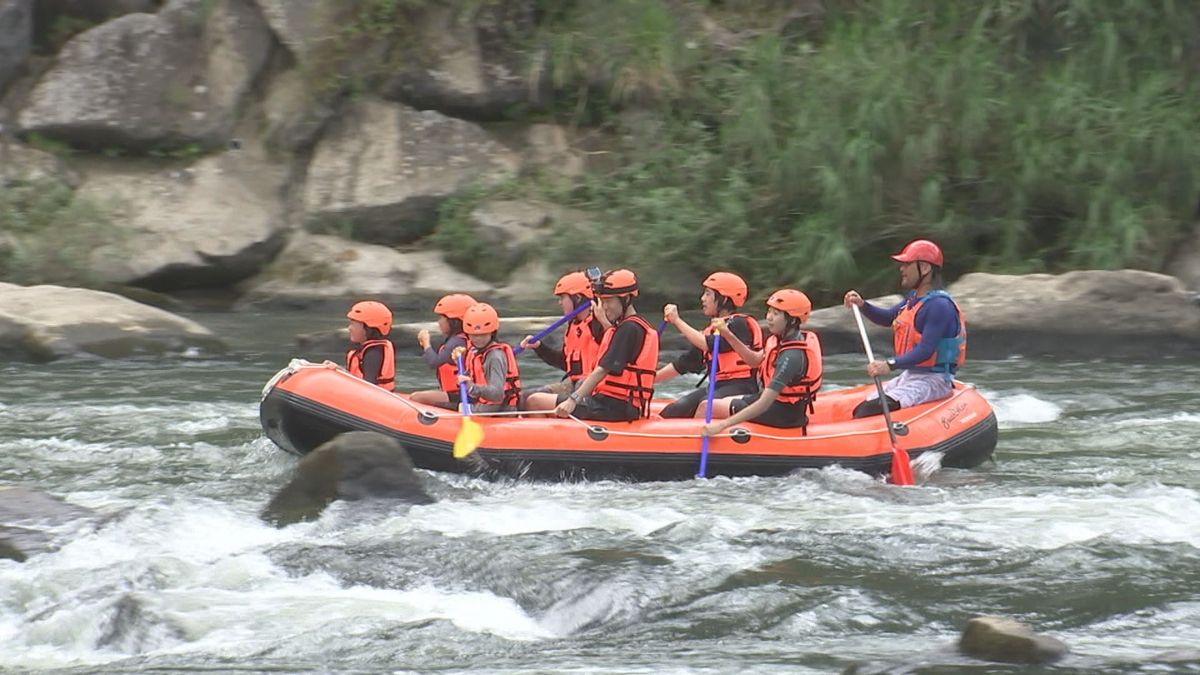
47	235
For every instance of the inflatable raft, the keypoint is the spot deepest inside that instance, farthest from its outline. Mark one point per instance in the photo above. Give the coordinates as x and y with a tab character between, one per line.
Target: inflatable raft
307	404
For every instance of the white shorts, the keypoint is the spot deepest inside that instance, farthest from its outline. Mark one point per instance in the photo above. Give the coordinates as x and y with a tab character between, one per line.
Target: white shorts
914	388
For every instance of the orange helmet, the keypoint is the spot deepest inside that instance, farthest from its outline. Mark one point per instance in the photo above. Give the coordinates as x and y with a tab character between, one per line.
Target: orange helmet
575	283
372	315
480	319
920	250
791	302
618	283
729	285
453	305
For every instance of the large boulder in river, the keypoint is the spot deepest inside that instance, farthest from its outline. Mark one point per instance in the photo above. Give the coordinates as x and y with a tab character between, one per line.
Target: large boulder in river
43	323
147	81
210	224
16	37
1077	315
381	170
316	270
351	467
997	638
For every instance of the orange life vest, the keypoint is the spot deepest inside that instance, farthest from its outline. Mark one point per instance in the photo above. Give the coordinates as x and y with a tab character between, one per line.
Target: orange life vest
950	353
635	384
730	366
387	371
447	373
804	387
581	352
512	374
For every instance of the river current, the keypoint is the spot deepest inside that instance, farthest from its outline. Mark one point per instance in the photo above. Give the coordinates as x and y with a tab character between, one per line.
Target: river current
1086	527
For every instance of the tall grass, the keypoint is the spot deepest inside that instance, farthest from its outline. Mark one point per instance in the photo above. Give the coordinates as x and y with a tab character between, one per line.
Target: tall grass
1022	135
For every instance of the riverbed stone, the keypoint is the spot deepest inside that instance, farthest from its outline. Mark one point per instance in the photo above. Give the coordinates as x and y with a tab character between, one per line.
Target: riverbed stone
44	323
997	638
381	170
353	466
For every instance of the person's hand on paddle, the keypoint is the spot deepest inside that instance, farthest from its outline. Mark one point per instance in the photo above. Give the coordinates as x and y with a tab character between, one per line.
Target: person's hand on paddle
565	408
670	313
712	429
529	343
852	298
721	327
878	368
423	339
464	378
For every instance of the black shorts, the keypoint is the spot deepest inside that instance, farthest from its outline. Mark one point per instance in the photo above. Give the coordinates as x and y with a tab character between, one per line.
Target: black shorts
689	403
779	415
604	409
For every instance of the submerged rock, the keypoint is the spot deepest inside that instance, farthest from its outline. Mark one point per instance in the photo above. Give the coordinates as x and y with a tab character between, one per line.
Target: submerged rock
997	638
28	519
354	466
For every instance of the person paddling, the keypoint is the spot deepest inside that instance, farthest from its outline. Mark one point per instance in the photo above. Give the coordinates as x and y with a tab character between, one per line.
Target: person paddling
929	334
493	378
580	346
792	369
449	310
723	294
374	357
622	384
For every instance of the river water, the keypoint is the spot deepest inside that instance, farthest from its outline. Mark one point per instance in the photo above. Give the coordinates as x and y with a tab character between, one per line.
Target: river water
1087	527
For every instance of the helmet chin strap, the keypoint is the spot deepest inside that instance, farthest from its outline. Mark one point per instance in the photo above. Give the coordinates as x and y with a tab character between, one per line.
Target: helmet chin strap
921	276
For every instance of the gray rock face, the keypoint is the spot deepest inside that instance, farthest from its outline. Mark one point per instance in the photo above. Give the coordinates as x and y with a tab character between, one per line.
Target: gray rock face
354	466
144	81
319	269
382	170
21	162
996	638
212	224
43	323
91	10
468	62
16	37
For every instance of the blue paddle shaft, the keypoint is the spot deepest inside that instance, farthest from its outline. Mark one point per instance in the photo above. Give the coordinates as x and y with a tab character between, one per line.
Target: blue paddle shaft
712	386
462	387
554	326
662	326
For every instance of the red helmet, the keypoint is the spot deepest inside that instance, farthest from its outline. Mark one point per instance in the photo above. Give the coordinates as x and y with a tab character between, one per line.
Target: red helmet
372	315
575	283
729	285
618	283
791	302
453	305
480	319
920	250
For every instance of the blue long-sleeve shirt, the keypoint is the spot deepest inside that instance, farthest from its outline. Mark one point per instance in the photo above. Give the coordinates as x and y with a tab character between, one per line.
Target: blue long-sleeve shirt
937	318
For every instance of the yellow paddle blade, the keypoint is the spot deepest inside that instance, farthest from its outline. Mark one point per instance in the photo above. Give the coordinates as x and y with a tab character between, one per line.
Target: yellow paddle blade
468	439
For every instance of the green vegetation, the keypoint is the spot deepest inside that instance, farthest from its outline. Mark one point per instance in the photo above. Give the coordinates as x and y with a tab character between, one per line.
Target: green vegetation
47	235
1023	135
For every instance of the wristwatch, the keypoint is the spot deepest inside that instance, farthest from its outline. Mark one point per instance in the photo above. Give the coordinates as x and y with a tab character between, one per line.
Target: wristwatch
574	396
891	364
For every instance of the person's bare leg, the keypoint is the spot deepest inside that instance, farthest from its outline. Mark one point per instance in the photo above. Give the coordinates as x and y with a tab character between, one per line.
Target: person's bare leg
541	401
720	408
430	397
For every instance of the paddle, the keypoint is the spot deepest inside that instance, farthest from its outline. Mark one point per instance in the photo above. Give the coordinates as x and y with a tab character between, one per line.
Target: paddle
712	380
470	435
662	326
554	326
901	467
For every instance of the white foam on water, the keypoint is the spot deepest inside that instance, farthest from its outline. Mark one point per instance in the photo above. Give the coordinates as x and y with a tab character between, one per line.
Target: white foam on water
1021	408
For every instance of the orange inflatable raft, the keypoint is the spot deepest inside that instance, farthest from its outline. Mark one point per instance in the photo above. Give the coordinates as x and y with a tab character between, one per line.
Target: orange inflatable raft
307	404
